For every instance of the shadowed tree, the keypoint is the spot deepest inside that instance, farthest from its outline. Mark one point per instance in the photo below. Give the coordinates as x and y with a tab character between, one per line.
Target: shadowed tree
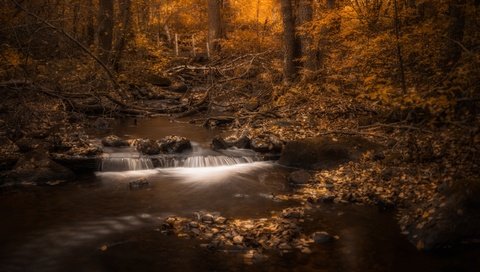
216	28
105	29
289	68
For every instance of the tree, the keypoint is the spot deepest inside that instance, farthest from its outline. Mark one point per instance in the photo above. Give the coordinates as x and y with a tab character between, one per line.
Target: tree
308	54
216	28
456	30
105	29
289	65
125	31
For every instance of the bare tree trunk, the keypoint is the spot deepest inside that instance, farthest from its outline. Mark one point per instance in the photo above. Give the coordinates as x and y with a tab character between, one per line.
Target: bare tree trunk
90	30
289	68
456	31
125	31
105	30
305	16
216	29
399	47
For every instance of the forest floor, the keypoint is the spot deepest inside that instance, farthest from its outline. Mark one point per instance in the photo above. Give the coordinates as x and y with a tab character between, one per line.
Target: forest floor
427	169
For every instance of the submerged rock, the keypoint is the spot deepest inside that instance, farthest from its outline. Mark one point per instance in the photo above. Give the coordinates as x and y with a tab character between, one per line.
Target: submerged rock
299	177
138	184
321	237
114	141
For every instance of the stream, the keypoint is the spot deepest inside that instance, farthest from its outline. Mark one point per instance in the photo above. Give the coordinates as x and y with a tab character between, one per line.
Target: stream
99	223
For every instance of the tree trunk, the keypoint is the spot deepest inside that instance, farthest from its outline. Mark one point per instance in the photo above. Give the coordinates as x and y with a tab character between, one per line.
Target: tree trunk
305	16
456	30
289	68
125	31
90	29
399	47
216	30
105	30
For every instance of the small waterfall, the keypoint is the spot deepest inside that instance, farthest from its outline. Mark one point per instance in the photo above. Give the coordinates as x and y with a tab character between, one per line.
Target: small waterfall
212	161
118	162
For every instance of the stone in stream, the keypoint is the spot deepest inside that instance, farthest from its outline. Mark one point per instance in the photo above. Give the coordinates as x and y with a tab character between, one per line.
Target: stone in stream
174	144
147	146
114	141
266	144
138	184
219	143
299	177
321	237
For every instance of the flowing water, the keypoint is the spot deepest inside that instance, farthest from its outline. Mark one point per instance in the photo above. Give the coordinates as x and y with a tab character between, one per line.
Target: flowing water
100	224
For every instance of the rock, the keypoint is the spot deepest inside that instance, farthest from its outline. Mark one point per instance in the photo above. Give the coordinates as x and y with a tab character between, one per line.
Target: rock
324	152
37	167
138	184
77	163
219	143
207	218
321	237
114	141
147	146
174	144
220	220
299	177
267	143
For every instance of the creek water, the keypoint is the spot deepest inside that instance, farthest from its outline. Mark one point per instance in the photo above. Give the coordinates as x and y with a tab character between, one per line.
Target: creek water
65	228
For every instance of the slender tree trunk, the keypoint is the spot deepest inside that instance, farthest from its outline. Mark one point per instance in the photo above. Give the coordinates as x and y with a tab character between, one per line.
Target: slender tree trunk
289	68
90	29
456	31
305	16
216	29
105	30
399	47
125	31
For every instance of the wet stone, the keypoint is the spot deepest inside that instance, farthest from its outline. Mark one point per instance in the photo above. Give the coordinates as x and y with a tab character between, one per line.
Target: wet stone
321	237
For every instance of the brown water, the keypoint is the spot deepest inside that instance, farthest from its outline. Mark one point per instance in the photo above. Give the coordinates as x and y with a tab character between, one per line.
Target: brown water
62	228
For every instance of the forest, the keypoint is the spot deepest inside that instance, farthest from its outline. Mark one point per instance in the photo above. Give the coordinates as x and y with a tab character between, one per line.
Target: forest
226	135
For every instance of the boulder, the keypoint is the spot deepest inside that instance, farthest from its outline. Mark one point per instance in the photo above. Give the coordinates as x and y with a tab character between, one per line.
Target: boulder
321	237
37	167
174	144
219	143
299	177
147	146
138	184
266	144
114	141
324	152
